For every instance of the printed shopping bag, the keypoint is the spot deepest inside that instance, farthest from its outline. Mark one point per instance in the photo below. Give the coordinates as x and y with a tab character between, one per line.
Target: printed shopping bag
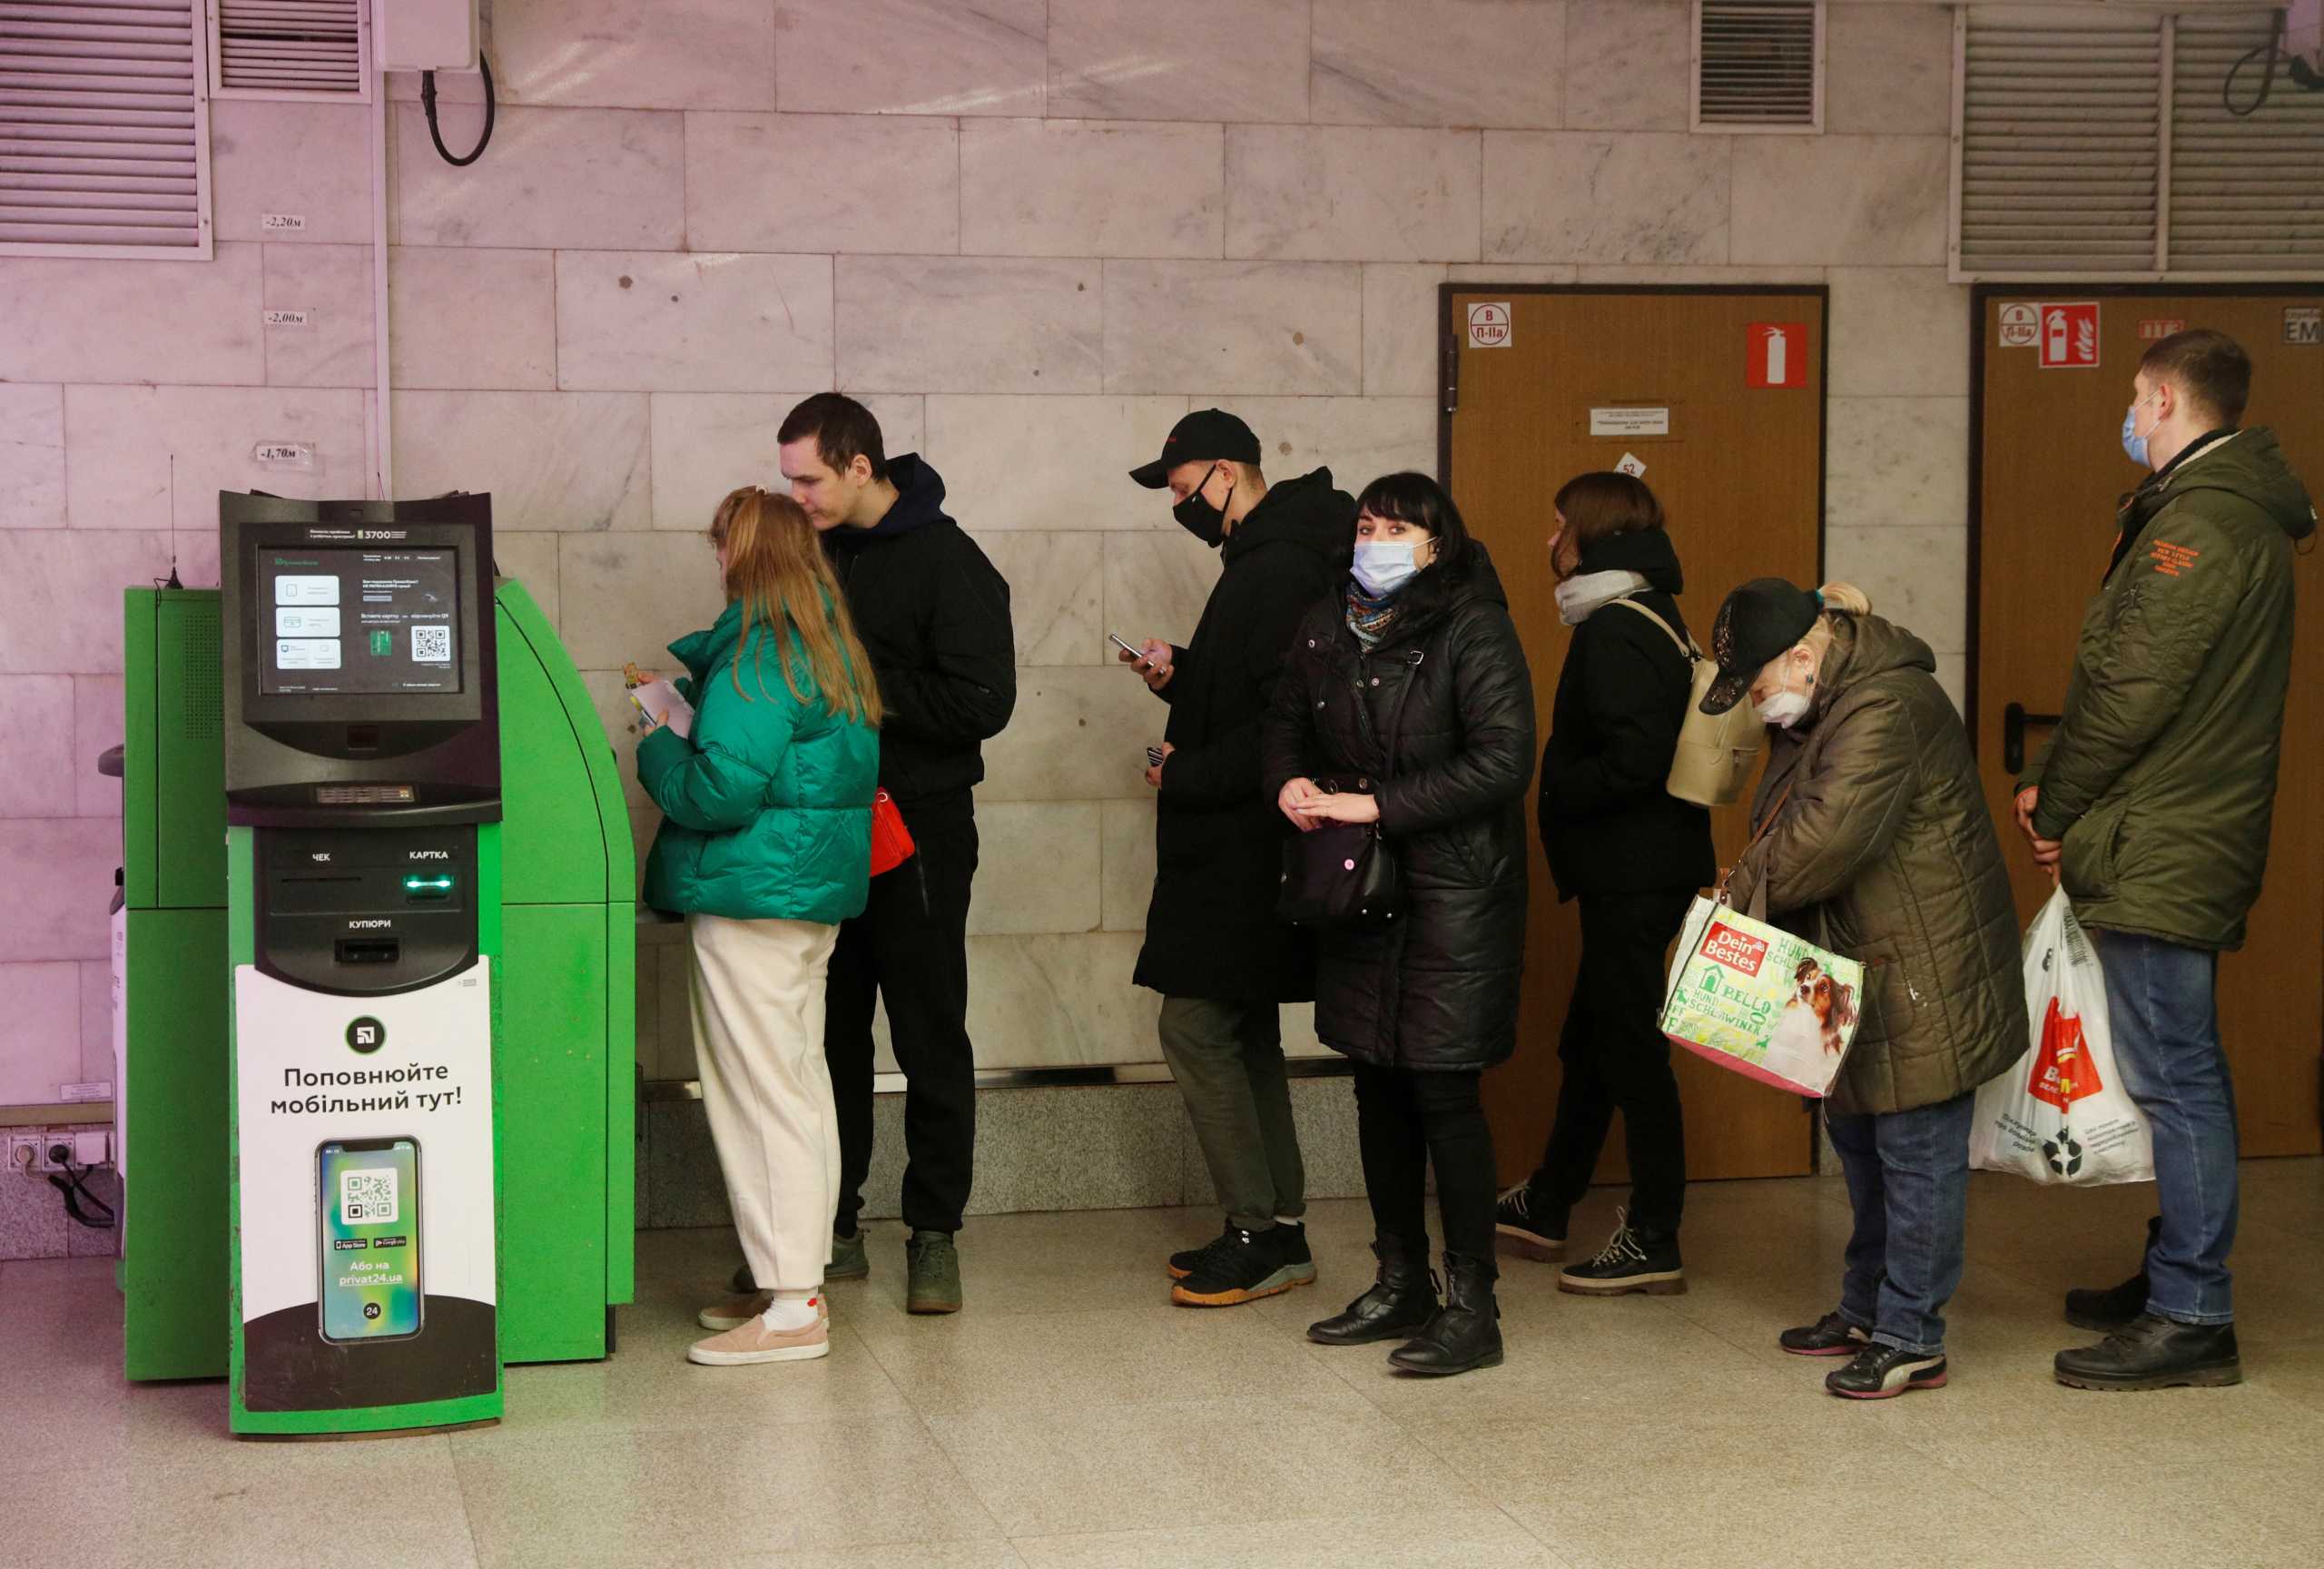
1761	1002
2061	1115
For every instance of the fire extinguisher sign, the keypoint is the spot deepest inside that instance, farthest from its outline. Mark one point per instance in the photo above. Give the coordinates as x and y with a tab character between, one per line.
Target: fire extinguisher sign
2069	339
1778	354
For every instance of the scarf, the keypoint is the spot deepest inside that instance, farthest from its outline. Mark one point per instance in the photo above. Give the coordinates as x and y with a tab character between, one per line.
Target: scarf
1367	617
1580	598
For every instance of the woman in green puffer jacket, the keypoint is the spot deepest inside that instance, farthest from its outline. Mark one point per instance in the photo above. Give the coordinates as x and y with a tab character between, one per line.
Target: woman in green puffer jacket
766	847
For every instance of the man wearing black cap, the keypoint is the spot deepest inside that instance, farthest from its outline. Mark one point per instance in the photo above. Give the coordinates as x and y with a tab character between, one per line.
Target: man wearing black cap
1214	949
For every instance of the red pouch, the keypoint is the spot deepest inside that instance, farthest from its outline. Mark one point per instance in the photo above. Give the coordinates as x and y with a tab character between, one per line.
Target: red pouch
891	843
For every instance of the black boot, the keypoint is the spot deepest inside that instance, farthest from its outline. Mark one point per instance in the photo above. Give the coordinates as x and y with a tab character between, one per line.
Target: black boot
2155	1353
1465	1332
2089	1308
1399	1307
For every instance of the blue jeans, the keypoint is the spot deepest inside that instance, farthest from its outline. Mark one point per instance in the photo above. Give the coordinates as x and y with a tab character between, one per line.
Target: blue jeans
1909	1183
2162	1003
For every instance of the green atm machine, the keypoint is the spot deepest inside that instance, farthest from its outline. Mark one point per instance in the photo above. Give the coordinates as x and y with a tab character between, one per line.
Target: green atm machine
400	1141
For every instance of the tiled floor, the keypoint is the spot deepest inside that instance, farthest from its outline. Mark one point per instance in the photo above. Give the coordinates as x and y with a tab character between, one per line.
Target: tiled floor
1073	1417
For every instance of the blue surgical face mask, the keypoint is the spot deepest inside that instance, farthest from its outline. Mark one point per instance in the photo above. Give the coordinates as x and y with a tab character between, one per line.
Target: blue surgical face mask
1384	566
2133	442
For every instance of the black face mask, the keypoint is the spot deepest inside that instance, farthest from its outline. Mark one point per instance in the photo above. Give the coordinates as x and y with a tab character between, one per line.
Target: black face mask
1200	518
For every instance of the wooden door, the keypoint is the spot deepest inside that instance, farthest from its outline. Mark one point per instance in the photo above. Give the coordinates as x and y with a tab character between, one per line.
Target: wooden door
2051	469
1740	472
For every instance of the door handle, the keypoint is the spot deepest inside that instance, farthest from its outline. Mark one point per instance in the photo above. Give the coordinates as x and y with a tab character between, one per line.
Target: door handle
2013	721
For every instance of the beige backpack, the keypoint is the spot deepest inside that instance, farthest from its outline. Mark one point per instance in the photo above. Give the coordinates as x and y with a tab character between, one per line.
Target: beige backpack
1715	751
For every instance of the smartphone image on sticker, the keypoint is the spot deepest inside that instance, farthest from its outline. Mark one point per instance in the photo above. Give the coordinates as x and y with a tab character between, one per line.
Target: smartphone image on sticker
367	1201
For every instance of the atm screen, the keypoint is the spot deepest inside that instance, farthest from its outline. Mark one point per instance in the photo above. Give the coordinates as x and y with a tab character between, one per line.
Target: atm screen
359	621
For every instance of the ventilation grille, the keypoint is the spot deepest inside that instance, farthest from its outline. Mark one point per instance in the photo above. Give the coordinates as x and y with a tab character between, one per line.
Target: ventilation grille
2247	193
1758	65
200	703
289	48
101	124
2060	151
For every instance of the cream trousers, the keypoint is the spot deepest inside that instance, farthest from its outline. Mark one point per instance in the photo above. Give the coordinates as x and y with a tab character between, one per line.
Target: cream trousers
758	1033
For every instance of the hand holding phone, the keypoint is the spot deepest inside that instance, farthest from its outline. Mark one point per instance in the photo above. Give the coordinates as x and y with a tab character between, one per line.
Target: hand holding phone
1152	662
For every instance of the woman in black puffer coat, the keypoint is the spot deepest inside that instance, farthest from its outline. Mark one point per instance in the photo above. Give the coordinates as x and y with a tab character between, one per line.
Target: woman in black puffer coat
1406	701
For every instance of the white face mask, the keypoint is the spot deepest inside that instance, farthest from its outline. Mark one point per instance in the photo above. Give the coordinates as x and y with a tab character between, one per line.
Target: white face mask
1384	566
1783	710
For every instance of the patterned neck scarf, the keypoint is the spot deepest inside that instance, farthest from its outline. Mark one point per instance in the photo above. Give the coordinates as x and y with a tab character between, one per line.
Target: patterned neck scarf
1367	617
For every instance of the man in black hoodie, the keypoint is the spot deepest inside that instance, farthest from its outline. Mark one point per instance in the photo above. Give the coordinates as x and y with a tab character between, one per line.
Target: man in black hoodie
934	614
1214	949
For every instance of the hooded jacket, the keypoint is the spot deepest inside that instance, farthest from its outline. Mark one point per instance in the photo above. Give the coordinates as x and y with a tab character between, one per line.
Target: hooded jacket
934	614
1210	930
1882	851
2161	779
1607	823
767	806
1437	722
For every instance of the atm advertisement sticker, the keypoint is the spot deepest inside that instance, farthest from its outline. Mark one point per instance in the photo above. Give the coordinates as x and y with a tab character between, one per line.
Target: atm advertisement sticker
1778	354
2069	336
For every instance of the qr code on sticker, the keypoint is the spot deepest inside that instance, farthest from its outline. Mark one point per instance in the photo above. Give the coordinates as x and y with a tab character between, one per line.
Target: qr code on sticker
431	644
368	1198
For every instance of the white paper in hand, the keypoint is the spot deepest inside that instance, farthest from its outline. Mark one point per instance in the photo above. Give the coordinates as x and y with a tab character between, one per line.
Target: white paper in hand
659	701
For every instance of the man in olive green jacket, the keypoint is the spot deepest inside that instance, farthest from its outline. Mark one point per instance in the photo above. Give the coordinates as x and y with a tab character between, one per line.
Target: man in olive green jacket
2152	804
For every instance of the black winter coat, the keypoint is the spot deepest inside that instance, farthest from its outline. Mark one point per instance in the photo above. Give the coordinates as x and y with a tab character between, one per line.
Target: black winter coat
1607	823
1448	697
934	614
1211	931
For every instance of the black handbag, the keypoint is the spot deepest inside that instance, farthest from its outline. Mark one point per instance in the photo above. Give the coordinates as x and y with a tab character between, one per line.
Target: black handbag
1347	874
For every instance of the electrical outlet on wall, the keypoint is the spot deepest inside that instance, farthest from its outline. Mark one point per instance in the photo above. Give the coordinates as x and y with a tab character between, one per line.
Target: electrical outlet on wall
26	1151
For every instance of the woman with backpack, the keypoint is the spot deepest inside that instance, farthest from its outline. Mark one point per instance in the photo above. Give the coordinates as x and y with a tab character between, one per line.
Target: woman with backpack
765	846
1633	855
1405	709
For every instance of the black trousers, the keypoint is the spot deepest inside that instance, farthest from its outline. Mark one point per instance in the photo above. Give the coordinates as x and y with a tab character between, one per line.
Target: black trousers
909	948
1616	1058
1406	1119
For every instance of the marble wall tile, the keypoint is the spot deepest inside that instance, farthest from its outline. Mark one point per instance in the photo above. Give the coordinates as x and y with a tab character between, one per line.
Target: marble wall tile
1156	585
1918	577
1055	594
706	444
625	597
32	457
553	462
1402	328
1898	332
311	161
1450	62
612	179
694	323
1069	1148
530	559
1057	1001
40	1032
704	54
879	185
472	318
1564	196
96	1021
1511	273
1685	273
1077	477
910	56
1897	462
1217	328
1037	868
1880	200
1126	877
97	723
184	321
1888	68
125	440
60	610
969	324
1357	439
1628	63
1079	734
1228	60
1323	193
1091	188
36	751
75	856
332	284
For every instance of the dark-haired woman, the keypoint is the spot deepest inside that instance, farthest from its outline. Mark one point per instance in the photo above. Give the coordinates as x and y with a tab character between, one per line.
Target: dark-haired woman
1633	854
1407	704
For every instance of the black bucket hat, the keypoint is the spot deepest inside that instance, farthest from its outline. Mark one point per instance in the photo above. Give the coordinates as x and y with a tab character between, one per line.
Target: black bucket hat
1757	622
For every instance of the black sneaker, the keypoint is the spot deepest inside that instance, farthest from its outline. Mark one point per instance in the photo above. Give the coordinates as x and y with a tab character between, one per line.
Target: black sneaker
1884	1372
1186	1262
2108	1310
1632	1260
1244	1266
1830	1335
2152	1352
1528	1226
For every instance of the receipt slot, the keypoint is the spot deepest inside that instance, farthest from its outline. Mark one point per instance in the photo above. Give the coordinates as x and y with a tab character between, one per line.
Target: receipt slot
363	806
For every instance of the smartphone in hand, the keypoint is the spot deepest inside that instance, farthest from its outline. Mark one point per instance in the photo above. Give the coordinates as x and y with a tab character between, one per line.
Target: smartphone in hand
1136	654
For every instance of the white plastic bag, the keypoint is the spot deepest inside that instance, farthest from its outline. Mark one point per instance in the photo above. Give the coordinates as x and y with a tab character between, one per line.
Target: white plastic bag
2061	1116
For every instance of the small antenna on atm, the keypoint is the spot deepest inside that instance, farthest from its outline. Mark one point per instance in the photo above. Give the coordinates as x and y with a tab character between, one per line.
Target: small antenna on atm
171	581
